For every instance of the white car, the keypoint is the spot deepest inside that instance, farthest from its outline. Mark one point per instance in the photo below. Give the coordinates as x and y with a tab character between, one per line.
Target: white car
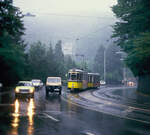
24	88
37	83
102	82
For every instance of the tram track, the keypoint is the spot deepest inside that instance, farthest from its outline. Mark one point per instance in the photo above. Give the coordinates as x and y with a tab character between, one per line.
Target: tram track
122	100
101	104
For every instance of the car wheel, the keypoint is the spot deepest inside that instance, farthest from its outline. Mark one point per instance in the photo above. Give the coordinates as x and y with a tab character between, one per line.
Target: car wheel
60	92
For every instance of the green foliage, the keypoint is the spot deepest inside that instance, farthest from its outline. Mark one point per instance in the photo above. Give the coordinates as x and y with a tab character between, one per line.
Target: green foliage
10	21
44	61
69	63
132	32
133	16
114	65
50	61
12	58
37	60
59	59
99	61
139	57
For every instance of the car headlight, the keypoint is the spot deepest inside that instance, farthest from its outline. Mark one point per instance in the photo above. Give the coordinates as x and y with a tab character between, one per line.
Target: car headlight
31	90
16	90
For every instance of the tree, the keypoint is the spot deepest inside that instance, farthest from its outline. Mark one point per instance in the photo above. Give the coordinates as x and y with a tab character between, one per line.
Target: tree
59	59
99	61
11	45
69	63
50	61
132	32
114	66
38	61
11	22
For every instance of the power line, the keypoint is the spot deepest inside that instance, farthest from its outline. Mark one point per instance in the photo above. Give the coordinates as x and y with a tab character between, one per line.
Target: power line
73	15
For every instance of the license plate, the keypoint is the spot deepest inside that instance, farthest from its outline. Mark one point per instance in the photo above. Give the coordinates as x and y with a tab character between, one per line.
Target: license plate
24	91
56	89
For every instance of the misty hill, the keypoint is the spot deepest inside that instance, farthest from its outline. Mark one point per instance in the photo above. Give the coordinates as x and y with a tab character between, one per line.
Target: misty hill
91	30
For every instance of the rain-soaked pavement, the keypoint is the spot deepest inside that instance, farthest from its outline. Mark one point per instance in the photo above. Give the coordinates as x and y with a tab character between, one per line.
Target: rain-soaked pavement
108	111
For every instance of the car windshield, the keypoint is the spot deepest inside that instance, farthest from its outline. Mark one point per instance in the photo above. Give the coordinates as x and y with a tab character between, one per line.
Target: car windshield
53	80
24	84
36	81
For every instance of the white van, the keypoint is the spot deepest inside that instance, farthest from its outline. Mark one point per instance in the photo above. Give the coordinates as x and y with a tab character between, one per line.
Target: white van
53	84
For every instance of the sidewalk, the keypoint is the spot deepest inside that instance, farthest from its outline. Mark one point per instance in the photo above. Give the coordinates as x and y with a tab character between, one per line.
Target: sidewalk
123	102
132	94
124	95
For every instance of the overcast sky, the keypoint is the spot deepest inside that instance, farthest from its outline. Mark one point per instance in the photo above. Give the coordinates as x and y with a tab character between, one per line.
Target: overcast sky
65	6
91	22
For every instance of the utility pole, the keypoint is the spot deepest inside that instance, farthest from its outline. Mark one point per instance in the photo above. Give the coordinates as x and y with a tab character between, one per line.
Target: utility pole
105	65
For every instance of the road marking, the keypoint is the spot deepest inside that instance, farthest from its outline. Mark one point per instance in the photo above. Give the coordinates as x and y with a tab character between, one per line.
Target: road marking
108	113
51	117
118	104
56	112
130	109
88	133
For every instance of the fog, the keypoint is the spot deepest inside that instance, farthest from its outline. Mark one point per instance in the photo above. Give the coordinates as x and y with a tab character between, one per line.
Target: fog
68	20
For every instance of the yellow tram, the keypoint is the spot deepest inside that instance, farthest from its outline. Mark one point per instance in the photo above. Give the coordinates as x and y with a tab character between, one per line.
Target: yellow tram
93	80
80	80
77	79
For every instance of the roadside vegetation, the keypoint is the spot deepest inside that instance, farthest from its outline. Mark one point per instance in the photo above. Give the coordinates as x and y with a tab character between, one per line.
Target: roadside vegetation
19	63
44	60
113	66
133	33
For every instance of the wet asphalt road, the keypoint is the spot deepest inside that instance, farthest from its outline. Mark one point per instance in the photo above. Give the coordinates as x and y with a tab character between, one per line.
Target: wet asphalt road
61	115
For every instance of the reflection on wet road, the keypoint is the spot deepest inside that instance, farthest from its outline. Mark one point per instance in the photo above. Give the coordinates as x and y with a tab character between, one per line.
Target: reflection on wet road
17	115
30	114
60	115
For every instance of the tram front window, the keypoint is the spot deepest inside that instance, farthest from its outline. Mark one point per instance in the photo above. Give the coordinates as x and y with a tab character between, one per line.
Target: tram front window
73	76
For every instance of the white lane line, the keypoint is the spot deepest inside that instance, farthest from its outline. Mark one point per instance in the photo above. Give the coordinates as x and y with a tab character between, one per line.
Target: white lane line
88	133
129	110
51	117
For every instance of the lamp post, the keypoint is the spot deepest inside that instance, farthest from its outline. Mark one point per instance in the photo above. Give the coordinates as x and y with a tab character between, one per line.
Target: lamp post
105	65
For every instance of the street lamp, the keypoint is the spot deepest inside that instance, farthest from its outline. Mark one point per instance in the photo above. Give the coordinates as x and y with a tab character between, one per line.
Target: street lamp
105	65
